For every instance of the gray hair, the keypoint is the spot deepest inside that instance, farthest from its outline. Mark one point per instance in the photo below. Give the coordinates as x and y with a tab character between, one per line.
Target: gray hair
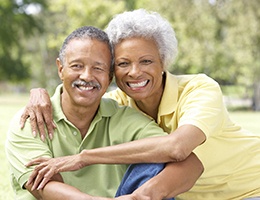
84	33
149	25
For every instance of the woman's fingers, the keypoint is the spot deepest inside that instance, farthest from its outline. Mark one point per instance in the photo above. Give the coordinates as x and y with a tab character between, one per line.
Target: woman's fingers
45	178
34	174
37	161
39	110
39	178
42	173
24	117
47	116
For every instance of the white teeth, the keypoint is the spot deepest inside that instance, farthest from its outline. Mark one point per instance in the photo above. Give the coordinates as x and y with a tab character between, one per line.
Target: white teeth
140	84
85	88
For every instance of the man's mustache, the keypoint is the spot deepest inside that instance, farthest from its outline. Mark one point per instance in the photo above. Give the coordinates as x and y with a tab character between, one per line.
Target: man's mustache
86	84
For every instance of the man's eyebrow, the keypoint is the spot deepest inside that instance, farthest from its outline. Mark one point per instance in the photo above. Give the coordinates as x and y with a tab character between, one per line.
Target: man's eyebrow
74	60
100	63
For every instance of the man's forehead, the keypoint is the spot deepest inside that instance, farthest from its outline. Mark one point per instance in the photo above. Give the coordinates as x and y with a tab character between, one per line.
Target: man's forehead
86	43
80	41
92	49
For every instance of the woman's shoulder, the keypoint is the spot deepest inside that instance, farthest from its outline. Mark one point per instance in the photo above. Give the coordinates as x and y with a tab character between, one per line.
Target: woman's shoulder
195	79
117	95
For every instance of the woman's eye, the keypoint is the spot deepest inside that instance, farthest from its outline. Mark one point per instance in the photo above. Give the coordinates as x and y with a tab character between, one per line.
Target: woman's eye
146	62
122	64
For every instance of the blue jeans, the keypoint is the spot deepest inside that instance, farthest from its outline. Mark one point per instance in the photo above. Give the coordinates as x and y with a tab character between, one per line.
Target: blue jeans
136	175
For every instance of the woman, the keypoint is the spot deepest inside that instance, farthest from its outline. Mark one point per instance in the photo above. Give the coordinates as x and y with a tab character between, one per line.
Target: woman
189	107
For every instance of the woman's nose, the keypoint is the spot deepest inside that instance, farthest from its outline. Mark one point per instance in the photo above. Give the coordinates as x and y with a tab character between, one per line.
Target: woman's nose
135	70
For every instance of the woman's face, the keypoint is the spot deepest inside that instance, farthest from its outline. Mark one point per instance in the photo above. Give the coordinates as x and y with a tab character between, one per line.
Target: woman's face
138	68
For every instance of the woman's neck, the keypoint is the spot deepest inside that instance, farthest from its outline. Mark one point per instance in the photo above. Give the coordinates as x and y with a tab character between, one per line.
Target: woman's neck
150	105
149	108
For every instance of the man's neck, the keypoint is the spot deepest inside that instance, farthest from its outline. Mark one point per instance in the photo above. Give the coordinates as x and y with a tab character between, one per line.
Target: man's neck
79	116
81	119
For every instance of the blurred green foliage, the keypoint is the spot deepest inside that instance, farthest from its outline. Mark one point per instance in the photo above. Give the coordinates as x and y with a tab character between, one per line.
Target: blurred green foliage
15	25
218	37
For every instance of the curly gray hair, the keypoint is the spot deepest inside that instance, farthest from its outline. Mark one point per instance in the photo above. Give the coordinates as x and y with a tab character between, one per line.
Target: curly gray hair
88	32
150	25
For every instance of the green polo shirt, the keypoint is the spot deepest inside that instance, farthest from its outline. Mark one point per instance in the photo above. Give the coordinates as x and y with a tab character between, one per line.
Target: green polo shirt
112	125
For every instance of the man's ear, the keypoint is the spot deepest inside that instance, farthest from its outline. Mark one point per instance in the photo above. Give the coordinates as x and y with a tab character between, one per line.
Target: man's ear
60	68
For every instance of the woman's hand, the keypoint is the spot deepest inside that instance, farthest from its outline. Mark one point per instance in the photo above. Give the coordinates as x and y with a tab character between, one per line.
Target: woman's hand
47	167
134	197
39	110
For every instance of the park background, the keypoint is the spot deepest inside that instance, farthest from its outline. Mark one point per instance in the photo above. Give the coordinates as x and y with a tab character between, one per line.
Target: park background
220	38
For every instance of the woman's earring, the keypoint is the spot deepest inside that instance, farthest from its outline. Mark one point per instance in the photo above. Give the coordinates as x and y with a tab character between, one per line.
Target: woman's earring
162	72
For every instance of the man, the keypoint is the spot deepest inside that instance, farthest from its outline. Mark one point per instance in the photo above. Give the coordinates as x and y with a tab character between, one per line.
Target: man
84	121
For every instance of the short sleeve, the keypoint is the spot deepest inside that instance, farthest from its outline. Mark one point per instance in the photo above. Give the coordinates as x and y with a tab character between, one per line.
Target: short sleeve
201	104
21	147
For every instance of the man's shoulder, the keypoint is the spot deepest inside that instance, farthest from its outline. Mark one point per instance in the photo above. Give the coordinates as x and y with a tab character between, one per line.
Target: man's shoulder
112	105
132	123
113	109
118	95
15	121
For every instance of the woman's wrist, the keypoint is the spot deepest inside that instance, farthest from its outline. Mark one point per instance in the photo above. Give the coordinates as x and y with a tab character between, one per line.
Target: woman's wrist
83	158
152	189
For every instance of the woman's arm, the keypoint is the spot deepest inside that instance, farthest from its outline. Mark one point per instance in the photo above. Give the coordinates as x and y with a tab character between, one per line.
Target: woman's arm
174	147
39	110
175	179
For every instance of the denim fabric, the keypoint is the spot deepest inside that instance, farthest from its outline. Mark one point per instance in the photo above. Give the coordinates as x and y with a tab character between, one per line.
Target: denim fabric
136	175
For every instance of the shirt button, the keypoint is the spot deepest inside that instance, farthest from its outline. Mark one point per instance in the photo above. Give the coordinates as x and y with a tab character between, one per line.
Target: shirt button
74	133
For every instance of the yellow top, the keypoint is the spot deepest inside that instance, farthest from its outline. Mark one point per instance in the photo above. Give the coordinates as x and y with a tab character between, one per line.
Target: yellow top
230	155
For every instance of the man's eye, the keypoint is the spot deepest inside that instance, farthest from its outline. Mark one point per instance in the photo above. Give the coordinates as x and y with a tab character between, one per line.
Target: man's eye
76	66
99	68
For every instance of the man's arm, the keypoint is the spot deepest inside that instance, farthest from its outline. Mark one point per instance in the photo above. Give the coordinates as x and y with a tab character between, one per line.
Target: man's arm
55	190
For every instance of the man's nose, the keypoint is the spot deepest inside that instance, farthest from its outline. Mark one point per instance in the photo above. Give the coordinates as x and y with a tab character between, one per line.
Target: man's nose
86	74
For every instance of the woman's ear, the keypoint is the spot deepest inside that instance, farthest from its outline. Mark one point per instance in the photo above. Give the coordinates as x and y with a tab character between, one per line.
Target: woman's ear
60	68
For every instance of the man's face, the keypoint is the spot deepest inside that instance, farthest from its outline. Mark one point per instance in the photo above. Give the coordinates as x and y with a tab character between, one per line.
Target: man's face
85	72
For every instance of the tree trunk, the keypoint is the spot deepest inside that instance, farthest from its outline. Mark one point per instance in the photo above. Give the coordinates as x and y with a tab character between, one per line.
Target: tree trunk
256	97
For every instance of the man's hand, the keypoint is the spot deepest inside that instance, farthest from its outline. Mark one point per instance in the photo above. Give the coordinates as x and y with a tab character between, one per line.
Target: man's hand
39	110
47	167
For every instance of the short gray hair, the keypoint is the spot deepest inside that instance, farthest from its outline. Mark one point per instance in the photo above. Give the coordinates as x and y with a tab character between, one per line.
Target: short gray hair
91	33
149	25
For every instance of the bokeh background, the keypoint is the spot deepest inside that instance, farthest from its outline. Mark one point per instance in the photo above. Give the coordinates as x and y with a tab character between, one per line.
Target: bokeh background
220	38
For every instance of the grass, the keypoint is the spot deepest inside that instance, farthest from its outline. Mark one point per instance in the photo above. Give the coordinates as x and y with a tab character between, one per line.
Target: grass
247	119
10	104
